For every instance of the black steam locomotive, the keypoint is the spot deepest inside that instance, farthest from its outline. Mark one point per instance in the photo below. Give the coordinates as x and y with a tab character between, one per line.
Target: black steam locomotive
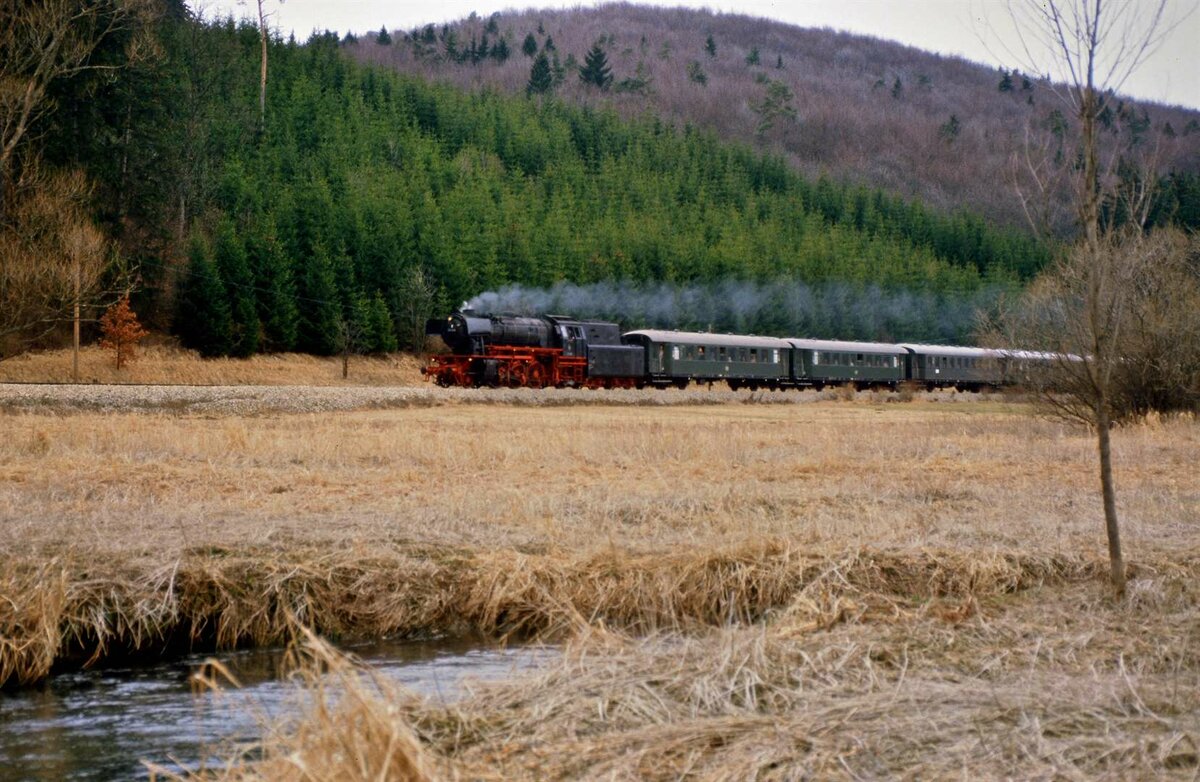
553	350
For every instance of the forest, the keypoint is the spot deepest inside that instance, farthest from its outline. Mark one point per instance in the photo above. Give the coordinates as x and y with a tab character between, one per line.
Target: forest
949	132
360	201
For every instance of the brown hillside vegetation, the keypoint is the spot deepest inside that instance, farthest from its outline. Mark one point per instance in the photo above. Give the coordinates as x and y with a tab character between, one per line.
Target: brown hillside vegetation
840	589
867	110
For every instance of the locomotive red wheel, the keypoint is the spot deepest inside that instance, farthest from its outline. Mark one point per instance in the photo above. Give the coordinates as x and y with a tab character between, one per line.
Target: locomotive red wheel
536	377
516	375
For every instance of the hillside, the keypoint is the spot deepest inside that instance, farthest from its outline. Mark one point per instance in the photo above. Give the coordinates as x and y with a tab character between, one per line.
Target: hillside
866	110
364	201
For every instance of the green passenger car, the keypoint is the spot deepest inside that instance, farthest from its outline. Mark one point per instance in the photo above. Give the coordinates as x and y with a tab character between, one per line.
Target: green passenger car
820	362
940	366
678	357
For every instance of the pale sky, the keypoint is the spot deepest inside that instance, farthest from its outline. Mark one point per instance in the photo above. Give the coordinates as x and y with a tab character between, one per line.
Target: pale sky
956	27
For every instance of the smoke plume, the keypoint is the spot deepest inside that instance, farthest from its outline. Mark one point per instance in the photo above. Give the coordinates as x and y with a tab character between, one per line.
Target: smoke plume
785	308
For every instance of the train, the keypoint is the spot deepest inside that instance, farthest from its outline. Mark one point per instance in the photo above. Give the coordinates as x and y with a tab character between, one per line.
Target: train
560	351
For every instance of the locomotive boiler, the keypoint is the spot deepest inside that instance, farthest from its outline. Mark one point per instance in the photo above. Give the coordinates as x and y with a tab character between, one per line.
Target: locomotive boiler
551	350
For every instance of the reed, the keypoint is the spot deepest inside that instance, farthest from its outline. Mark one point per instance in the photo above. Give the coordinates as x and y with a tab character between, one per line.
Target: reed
70	609
1051	682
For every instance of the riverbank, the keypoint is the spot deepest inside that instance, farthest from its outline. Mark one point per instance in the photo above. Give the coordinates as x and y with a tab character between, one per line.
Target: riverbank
942	541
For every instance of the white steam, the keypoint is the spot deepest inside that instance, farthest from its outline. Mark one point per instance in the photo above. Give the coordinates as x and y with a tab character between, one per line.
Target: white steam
832	310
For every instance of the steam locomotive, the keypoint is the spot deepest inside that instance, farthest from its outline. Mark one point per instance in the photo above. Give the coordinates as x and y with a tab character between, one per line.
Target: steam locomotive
560	351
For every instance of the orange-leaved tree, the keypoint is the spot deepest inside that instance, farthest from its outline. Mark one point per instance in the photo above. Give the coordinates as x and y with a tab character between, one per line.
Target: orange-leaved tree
121	330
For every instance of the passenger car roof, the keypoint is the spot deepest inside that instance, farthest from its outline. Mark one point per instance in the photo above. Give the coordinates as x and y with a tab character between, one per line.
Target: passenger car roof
845	347
951	350
716	340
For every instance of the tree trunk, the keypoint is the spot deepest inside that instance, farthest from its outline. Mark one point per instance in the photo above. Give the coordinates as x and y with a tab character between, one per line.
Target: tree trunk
345	363
75	341
262	89
1116	560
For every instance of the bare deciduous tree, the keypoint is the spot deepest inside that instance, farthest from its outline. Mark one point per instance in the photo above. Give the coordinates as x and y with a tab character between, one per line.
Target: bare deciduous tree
416	299
1086	303
264	35
51	254
45	41
1123	327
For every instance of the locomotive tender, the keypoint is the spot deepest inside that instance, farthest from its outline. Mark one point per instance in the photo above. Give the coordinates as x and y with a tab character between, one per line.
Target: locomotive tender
556	350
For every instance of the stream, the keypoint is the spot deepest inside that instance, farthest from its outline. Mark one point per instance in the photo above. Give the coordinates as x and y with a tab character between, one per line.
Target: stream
99	724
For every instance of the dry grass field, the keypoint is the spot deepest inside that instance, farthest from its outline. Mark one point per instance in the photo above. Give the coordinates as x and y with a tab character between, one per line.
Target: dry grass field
851	589
168	365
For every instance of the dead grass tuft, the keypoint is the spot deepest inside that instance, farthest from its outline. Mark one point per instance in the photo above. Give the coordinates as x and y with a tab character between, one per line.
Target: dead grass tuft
67	610
1055	682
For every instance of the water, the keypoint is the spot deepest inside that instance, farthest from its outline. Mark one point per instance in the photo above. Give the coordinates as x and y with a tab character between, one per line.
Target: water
99	724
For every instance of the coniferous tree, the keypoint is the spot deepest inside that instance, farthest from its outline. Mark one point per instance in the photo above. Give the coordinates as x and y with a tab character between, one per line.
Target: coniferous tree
541	79
500	51
202	318
753	57
362	325
710	46
382	326
321	311
276	293
1006	82
383	39
234	268
595	70
557	70
530	46
121	331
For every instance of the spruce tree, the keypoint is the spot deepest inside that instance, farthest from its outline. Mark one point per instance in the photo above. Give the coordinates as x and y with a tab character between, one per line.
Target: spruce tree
382	327
500	51
383	39
234	269
364	338
595	70
1006	82
541	80
275	289
202	318
320	311
710	46
753	57
530	46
